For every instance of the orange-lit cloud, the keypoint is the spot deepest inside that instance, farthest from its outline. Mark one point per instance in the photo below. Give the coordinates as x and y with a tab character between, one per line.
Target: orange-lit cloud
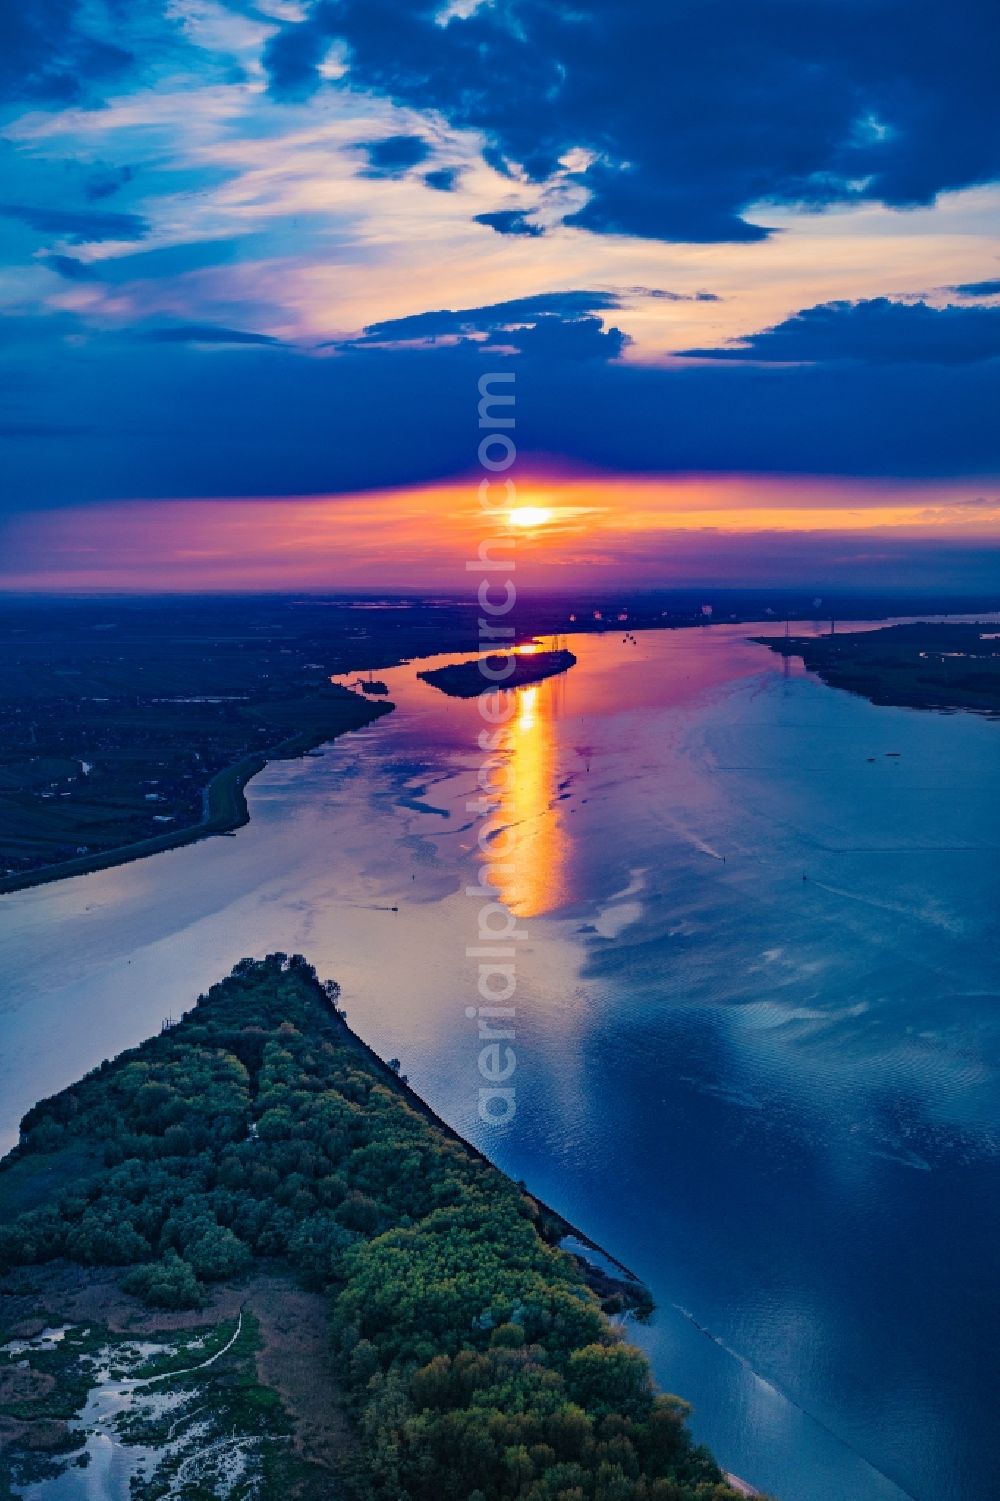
568	531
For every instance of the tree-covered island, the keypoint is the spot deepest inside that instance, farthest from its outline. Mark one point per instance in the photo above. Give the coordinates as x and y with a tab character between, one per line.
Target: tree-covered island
484	674
254	1162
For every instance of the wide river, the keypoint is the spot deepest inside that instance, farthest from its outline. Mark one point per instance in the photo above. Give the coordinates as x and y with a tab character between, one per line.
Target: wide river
756	1029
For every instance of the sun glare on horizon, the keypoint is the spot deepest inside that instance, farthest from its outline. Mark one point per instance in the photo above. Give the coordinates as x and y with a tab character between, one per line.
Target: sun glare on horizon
527	518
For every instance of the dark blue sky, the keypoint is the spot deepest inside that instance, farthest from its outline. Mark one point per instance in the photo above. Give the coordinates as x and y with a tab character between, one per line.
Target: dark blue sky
267	248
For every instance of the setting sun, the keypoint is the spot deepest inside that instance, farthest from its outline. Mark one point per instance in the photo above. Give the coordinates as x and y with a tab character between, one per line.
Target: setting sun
528	517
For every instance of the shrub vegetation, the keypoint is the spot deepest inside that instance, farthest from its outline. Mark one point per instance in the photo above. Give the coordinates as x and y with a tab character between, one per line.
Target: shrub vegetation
478	1363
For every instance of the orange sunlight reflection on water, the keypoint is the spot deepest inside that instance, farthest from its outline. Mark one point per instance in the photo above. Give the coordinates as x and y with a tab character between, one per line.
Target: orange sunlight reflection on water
532	877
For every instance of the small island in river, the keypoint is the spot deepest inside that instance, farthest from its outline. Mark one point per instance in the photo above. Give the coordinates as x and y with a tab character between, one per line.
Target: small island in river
920	666
245	1259
467	679
133	725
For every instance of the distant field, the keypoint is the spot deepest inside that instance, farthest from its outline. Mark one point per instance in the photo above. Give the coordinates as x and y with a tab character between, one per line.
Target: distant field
150	776
131	726
128	729
919	666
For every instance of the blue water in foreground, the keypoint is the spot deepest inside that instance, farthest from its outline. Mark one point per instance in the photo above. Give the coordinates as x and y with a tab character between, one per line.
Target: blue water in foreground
756	1015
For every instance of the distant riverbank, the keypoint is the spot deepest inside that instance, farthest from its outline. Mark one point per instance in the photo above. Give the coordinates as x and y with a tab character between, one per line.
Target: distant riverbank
223	800
924	665
133	727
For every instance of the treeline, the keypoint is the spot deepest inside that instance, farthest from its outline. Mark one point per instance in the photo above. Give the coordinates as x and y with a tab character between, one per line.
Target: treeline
478	1363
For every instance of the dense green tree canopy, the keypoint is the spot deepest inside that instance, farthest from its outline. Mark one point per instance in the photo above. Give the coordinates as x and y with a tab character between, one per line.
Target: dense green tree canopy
480	1365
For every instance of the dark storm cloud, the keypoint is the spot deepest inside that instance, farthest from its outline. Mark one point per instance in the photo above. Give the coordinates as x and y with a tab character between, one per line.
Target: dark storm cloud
104	182
202	333
553	325
510	221
293	54
494	157
497	315
624	202
272	420
393	156
164	262
568	339
47	51
443	179
876	332
977	289
70	268
692	111
83	226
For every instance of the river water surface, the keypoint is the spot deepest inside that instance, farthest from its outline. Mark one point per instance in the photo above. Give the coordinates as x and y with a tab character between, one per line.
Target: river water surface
757	1014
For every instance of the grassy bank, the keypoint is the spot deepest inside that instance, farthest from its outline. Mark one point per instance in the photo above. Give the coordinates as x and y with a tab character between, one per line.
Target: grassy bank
224	804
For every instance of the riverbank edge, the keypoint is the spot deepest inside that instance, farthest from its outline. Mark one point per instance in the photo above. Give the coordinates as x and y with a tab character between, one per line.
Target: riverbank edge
231	782
631	1285
224	797
851	676
334	1017
401	1085
225	808
552	1226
